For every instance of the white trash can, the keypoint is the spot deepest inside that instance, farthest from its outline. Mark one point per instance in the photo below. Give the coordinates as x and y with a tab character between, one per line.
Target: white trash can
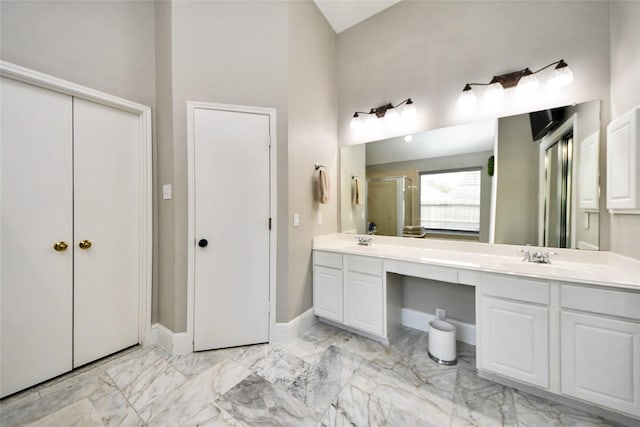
442	342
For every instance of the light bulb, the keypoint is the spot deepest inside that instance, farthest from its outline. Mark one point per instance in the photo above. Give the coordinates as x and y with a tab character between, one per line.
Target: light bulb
392	119
562	76
493	94
409	113
372	124
408	138
467	98
356	124
527	85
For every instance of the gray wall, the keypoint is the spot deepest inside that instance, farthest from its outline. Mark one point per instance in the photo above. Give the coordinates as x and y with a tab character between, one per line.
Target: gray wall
107	46
428	50
313	107
426	295
163	291
352	162
517	182
625	95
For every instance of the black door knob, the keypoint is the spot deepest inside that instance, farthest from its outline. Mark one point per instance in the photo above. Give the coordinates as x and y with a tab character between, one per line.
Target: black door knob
202	243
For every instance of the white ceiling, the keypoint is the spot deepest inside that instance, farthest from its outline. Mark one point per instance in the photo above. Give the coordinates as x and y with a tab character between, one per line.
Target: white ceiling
469	138
343	14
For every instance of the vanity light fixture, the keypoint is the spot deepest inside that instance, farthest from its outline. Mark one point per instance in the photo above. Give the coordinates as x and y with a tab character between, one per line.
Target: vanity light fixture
524	80
390	115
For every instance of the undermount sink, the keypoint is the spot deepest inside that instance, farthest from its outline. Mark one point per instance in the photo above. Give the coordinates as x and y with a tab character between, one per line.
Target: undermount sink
552	268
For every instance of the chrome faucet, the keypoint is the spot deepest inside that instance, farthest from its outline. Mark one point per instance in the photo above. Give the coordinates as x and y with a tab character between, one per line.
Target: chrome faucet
364	240
536	256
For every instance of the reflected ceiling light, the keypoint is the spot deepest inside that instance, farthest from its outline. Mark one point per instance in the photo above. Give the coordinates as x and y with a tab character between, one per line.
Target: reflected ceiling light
393	117
525	81
408	138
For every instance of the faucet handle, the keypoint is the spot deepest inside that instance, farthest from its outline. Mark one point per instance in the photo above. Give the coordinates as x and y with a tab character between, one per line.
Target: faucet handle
546	256
527	254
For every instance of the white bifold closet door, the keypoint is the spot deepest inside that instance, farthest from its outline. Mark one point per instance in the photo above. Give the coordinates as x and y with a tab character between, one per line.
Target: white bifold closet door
36	292
107	195
70	233
231	171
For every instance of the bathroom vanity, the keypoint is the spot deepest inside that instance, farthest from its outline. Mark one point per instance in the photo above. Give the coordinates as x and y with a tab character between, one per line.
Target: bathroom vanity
569	328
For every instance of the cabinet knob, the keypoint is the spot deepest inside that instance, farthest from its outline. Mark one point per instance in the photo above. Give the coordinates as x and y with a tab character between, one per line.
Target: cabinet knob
84	244
60	246
203	243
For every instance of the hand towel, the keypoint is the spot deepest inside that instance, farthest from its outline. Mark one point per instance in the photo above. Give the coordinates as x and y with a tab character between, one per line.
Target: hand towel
356	200
323	186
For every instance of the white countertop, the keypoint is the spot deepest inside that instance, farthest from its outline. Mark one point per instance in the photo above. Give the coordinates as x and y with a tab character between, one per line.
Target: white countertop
568	265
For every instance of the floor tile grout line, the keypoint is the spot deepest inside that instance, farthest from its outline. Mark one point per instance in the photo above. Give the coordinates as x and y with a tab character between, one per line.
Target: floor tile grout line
126	399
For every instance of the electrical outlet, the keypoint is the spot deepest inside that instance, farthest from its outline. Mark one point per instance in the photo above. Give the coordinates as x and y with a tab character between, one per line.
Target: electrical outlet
440	313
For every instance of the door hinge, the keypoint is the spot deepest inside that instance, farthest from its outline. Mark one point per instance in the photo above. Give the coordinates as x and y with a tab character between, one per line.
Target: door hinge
269	223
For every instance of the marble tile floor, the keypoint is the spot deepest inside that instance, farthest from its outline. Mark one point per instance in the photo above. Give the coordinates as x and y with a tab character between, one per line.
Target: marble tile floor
328	377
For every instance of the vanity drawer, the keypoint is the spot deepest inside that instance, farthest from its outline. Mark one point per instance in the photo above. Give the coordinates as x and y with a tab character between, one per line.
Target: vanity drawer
515	288
602	301
365	265
433	272
327	259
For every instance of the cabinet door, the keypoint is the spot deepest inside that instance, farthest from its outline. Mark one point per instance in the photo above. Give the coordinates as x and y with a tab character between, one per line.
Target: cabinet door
107	193
623	152
515	340
600	361
364	306
328	293
36	279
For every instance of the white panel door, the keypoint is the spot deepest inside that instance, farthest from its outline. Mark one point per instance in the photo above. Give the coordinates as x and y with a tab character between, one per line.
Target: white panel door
107	199
601	361
515	340
231	170
36	290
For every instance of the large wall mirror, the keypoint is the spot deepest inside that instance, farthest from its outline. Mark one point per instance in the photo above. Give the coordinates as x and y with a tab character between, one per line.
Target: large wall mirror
525	179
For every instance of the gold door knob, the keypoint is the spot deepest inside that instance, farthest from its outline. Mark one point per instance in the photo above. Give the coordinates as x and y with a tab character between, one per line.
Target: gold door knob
84	244
60	246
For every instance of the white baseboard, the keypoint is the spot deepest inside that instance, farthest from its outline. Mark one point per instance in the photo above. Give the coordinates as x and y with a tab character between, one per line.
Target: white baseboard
172	342
284	332
465	332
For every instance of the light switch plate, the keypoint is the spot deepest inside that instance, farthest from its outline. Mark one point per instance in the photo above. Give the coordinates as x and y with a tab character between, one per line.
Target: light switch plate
296	220
166	191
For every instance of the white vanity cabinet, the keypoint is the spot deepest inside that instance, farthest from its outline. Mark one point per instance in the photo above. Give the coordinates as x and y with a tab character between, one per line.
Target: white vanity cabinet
364	298
600	346
328	293
513	327
349	290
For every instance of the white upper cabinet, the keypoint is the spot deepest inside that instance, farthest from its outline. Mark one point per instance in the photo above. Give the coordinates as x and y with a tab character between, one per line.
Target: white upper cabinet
623	162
